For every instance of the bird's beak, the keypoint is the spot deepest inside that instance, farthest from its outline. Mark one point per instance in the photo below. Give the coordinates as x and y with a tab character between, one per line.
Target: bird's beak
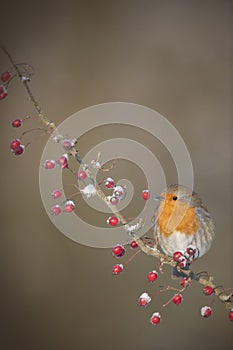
159	198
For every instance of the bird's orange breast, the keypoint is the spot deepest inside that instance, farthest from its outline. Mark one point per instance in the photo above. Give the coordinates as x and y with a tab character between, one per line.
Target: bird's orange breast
177	216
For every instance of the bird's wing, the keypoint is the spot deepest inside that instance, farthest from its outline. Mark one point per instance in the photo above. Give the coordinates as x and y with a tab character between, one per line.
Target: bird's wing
207	224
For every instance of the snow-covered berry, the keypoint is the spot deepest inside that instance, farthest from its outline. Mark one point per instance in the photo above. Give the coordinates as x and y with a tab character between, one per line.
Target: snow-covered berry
191	252
206	311
69	207
177	255
3	92
109	183
155	318
119	192
144	299
19	150
113	200
182	262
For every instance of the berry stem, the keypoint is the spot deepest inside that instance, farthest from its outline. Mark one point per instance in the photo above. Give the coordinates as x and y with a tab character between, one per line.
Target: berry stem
171	288
132	257
167	303
31	130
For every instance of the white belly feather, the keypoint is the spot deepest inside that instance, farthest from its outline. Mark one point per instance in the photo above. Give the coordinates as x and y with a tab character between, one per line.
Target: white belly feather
179	241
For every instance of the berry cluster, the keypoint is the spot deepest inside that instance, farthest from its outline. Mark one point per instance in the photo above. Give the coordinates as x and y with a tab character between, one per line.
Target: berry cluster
16	145
119	251
180	257
118	192
185	257
23	71
5	78
145	299
67	206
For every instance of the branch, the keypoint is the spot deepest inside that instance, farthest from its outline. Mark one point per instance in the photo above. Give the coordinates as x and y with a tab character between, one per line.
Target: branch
147	247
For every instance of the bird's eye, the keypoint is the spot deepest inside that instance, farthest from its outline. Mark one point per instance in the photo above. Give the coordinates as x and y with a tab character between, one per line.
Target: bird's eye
174	198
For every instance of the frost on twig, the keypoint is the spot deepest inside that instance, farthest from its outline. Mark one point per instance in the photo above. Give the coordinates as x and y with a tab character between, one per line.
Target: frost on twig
89	191
131	229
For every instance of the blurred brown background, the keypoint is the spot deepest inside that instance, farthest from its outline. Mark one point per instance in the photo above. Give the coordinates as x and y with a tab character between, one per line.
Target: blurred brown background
172	56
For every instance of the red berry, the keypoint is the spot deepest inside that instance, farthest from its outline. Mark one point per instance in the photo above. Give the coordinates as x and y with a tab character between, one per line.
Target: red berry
185	282
182	262
17	123
208	290
19	150
152	276
3	92
15	144
119	192
63	161
49	164
113	221
144	299
82	175
133	244
113	200
56	194
3	95
206	311
230	315
56	210
117	269
155	318
67	144
118	250
69	207
109	182
177	255
145	195
5	76
177	299
191	250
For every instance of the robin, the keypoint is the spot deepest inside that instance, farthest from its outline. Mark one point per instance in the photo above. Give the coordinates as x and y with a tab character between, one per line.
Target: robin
182	221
